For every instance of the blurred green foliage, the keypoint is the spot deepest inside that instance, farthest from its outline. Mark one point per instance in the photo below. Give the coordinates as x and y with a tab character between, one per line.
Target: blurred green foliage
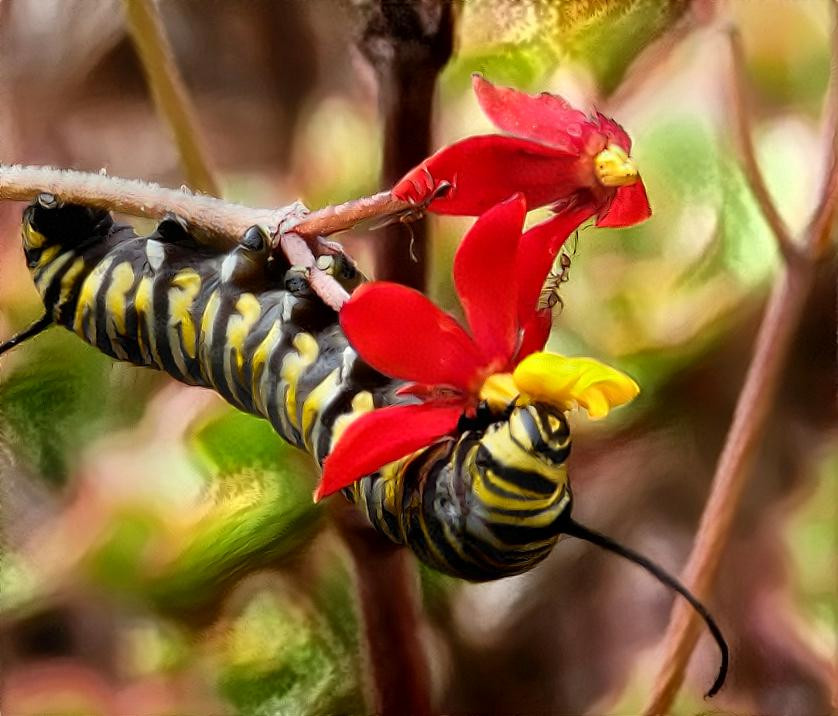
255	511
811	536
60	395
519	42
288	654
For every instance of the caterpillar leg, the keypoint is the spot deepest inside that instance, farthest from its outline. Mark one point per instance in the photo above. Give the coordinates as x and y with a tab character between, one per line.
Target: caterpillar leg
341	268
296	282
31	331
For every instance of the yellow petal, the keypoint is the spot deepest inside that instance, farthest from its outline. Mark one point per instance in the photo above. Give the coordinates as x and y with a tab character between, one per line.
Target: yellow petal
566	382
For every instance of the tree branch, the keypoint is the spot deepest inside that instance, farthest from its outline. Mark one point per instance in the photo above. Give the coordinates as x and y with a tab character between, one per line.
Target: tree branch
823	221
222	222
333	219
750	166
389	602
170	96
219	224
756	400
407	44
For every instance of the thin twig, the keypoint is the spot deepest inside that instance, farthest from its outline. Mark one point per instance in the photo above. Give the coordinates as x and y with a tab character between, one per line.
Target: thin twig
745	139
170	95
823	221
655	58
218	223
221	221
333	219
755	401
776	334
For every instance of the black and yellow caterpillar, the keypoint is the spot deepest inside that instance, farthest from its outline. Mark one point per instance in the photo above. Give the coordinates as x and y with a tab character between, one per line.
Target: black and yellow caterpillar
487	503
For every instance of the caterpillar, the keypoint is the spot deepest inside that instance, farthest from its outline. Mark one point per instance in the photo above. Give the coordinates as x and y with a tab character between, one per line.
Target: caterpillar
488	502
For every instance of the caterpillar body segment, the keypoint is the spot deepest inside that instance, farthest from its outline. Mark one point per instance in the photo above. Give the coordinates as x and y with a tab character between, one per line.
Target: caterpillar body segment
484	504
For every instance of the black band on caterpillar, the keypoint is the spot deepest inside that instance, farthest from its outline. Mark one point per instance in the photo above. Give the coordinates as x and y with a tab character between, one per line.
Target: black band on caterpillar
487	503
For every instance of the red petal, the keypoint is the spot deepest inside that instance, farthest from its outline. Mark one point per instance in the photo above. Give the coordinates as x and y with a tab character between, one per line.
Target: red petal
417	185
537	251
382	436
614	132
487	169
544	117
484	282
629	206
535	333
400	333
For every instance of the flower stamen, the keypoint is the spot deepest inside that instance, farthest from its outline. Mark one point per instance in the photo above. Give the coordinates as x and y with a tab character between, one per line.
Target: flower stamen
614	168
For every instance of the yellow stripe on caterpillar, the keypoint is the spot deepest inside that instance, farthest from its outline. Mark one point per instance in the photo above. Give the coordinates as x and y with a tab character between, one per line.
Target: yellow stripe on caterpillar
145	316
86	306
258	362
32	239
186	284
122	278
45	276
292	366
238	326
361	403
68	281
207	332
313	406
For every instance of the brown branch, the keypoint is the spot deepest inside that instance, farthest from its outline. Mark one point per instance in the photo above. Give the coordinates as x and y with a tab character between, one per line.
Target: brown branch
170	95
823	222
750	165
388	600
218	223
407	44
756	400
221	221
333	219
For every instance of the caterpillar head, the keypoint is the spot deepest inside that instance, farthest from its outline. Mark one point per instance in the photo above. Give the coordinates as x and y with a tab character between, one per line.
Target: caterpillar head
529	449
48	223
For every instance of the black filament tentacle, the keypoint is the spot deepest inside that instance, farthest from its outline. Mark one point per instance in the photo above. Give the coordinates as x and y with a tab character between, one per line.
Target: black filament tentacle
574	529
38	326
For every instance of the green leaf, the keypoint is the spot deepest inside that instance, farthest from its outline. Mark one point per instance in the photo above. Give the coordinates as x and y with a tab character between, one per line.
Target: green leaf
283	657
61	395
530	38
257	509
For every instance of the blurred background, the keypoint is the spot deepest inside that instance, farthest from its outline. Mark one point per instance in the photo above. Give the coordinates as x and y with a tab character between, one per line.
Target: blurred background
159	552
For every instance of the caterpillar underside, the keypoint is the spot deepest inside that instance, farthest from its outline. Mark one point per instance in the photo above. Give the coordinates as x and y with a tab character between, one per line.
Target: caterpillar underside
488	502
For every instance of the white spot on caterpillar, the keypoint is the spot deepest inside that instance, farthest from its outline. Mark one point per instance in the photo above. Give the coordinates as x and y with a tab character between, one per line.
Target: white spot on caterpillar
228	267
288	303
156	253
349	356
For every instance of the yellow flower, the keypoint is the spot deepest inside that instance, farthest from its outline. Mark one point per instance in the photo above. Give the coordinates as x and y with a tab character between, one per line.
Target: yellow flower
563	382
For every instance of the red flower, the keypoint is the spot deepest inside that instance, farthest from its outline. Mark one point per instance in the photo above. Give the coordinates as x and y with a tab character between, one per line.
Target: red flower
556	155
400	333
